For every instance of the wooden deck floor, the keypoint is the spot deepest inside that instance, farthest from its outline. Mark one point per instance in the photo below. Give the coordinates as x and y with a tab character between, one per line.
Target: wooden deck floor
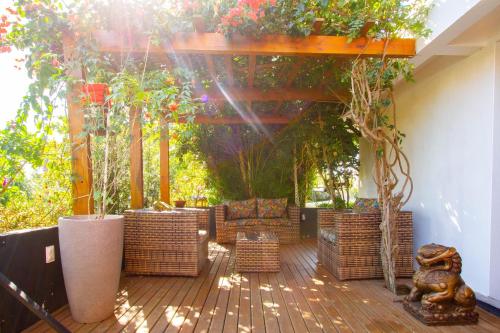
301	298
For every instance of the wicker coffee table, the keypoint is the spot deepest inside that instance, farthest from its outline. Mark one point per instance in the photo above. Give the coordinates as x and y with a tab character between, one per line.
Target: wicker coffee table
257	252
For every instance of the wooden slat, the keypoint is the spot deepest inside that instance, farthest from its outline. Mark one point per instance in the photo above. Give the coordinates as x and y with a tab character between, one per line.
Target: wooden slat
276	94
81	164
136	161
216	43
164	163
228	63
317	25
236	120
252	62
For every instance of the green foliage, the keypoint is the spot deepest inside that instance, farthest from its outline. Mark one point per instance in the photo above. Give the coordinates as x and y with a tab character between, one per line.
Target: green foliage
221	162
330	145
241	162
40	199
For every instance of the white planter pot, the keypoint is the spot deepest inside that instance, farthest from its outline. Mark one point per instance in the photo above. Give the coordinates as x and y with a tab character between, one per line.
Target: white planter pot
91	256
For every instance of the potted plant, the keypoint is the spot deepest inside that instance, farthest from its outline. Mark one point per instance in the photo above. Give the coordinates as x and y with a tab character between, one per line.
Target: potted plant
180	203
92	245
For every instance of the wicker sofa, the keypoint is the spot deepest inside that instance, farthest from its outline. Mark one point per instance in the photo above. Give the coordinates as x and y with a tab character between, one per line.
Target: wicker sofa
286	228
349	244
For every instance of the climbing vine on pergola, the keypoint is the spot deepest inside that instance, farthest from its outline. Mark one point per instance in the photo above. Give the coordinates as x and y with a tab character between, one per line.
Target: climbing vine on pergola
262	57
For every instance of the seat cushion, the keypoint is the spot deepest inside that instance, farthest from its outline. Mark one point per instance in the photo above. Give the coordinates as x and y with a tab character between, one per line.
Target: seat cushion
275	222
245	209
329	235
245	222
271	208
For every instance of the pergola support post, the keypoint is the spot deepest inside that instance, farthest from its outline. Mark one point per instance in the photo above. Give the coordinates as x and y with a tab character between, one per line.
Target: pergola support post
164	162
136	160
81	163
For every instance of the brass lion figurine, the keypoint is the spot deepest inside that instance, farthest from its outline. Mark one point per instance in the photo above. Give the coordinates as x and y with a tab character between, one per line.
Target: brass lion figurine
439	295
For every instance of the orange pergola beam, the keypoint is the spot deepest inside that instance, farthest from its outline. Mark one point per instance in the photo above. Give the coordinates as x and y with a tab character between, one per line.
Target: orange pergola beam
218	44
236	120
277	94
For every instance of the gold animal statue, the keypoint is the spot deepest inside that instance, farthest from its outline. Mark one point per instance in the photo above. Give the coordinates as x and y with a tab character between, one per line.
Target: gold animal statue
439	295
161	206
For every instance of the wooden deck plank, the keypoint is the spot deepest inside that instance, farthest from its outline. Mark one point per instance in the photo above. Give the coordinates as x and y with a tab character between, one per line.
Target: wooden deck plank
366	314
159	310
268	305
194	313
309	267
244	315
307	313
172	309
282	314
291	305
256	311
208	309
219	314
185	307
302	297
233	306
319	304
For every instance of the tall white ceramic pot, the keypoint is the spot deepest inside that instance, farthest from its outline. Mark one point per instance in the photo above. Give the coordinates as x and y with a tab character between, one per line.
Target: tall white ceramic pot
91	256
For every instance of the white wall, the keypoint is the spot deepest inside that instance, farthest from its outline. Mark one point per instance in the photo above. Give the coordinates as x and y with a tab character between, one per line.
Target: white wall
495	207
448	120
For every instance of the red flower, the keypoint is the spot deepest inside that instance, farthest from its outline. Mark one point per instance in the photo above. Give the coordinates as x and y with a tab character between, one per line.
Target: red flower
173	106
55	62
11	11
5	49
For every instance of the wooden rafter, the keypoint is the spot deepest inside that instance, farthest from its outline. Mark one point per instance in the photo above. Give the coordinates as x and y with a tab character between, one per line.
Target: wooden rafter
277	94
216	43
252	63
317	25
228	64
236	120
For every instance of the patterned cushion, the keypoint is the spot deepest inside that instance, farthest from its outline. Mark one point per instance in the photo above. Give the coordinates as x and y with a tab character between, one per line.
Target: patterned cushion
363	205
245	209
329	235
271	208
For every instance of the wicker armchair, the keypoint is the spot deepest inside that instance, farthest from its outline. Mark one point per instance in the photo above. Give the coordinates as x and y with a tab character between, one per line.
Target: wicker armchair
165	243
349	244
287	229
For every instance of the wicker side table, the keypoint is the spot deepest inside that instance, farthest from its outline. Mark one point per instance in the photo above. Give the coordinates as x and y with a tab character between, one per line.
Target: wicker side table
257	252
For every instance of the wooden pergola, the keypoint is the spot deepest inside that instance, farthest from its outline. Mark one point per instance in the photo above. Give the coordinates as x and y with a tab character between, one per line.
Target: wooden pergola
211	46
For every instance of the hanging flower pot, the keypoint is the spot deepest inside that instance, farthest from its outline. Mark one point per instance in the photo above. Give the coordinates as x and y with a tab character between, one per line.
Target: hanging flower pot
94	96
95	93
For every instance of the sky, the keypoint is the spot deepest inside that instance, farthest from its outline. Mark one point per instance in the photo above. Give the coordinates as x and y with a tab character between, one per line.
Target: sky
13	86
13	82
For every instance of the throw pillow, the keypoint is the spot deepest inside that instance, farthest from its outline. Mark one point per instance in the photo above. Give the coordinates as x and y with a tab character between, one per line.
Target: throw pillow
245	209
271	208
364	205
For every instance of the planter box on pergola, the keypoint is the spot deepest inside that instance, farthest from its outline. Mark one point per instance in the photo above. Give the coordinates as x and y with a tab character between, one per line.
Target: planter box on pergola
211	45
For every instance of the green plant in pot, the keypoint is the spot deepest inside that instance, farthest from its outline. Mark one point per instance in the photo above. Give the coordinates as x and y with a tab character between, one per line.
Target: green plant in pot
92	245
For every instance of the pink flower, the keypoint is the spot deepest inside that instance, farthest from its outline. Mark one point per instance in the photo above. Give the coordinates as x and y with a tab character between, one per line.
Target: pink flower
5	182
